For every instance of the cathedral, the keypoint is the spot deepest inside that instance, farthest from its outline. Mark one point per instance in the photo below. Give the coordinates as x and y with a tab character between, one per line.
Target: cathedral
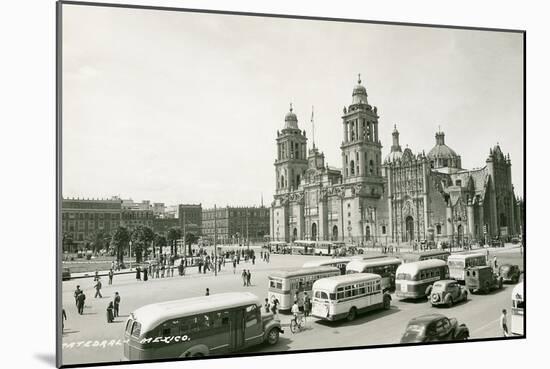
400	198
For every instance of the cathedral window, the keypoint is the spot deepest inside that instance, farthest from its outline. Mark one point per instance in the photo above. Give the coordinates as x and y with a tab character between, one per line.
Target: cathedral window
438	229
383	229
371	164
352	168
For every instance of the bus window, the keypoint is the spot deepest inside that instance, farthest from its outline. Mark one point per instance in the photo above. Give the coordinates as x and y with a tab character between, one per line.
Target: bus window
128	325
136	329
321	295
251	316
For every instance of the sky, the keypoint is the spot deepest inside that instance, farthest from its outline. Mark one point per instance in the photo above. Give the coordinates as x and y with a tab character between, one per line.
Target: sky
179	107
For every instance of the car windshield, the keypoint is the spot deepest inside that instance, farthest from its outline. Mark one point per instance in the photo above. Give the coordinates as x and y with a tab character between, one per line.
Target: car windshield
404	277
438	287
414	331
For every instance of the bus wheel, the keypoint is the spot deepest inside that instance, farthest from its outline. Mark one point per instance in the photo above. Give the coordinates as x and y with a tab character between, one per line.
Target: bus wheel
352	314
273	336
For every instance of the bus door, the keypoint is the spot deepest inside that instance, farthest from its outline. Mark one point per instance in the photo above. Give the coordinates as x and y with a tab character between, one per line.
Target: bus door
253	329
237	330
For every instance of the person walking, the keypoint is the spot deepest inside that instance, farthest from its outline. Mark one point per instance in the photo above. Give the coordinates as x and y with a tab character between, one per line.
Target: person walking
267	307
248	277
116	304
96	276
77	292
80	302
244	277
111	276
234	265
157	270
307	305
162	270
171	270
138	274
200	265
274	305
110	316
207	292
63	318
98	289
504	323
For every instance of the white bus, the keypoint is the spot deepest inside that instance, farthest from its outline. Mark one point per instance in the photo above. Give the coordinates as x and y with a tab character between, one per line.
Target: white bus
518	306
415	280
326	248
303	247
458	263
339	263
286	285
384	267
199	326
346	296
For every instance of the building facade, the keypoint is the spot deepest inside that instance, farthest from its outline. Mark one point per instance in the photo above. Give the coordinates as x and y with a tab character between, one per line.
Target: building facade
190	218
404	198
235	225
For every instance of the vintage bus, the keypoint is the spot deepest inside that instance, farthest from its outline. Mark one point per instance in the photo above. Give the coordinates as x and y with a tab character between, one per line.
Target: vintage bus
415	279
409	257
345	296
517	314
278	247
286	285
384	267
458	263
199	326
303	247
326	248
339	263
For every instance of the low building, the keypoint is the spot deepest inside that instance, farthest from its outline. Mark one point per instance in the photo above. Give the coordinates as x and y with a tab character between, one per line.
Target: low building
236	225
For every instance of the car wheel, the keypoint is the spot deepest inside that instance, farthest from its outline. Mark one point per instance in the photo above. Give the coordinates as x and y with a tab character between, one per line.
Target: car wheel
273	336
352	314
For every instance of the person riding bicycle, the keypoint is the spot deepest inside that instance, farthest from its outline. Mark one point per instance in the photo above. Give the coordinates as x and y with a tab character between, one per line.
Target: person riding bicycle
295	310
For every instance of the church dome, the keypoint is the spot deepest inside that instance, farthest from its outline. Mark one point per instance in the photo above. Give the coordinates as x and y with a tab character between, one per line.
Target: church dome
291	121
359	95
393	156
440	150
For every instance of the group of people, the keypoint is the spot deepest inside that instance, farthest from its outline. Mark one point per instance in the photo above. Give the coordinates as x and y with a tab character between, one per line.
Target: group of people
80	298
245	275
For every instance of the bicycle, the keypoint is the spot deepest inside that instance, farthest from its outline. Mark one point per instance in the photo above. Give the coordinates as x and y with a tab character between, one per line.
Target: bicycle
297	323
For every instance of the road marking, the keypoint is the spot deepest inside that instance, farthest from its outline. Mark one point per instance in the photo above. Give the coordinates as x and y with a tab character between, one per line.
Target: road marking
486	325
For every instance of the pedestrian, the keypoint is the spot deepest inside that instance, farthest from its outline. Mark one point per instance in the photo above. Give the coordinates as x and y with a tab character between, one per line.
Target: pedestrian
162	270
253	259
138	274
110	316
200	265
171	270
503	323
96	276
267	307
111	276
98	289
234	265
157	270
244	277
207	292
145	274
77	292
248	277
80	302
116	304
487	256
274	305
63	318
495	263
307	305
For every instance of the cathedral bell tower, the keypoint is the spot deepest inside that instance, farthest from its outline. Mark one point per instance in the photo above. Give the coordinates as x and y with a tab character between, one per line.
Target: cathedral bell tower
361	148
291	163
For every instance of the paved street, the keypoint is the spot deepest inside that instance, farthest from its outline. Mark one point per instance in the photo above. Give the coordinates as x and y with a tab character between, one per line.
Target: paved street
90	338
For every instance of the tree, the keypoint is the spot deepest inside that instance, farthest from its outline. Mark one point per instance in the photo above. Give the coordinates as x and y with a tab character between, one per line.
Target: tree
160	242
141	237
173	235
68	242
119	242
190	239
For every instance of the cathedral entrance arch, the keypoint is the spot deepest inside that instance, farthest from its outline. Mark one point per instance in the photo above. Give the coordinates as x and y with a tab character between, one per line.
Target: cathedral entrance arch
314	232
409	228
335	233
367	233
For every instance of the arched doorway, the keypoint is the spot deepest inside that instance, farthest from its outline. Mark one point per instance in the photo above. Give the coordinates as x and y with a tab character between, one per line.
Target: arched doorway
460	235
314	232
294	234
367	233
409	228
335	233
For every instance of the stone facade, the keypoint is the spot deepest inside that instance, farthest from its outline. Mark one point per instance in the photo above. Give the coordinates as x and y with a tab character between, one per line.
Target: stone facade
406	198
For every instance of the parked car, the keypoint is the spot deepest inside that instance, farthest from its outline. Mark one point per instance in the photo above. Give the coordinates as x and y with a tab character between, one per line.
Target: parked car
509	273
447	292
497	243
434	328
482	279
66	274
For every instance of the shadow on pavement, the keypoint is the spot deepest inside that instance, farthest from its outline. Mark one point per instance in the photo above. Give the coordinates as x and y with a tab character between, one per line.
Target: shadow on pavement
361	318
46	358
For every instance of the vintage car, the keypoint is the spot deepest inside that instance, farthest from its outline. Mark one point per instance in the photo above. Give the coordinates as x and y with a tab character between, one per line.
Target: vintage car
434	328
66	274
447	292
482	279
509	273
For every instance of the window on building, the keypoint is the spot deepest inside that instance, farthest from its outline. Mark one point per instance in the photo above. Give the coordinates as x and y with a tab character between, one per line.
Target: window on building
458	182
383	229
438	229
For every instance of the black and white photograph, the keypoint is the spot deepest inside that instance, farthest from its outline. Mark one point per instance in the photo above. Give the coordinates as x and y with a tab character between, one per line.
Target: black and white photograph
238	184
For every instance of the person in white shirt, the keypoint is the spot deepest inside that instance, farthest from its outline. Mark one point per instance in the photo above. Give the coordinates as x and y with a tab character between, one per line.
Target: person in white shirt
295	310
504	323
